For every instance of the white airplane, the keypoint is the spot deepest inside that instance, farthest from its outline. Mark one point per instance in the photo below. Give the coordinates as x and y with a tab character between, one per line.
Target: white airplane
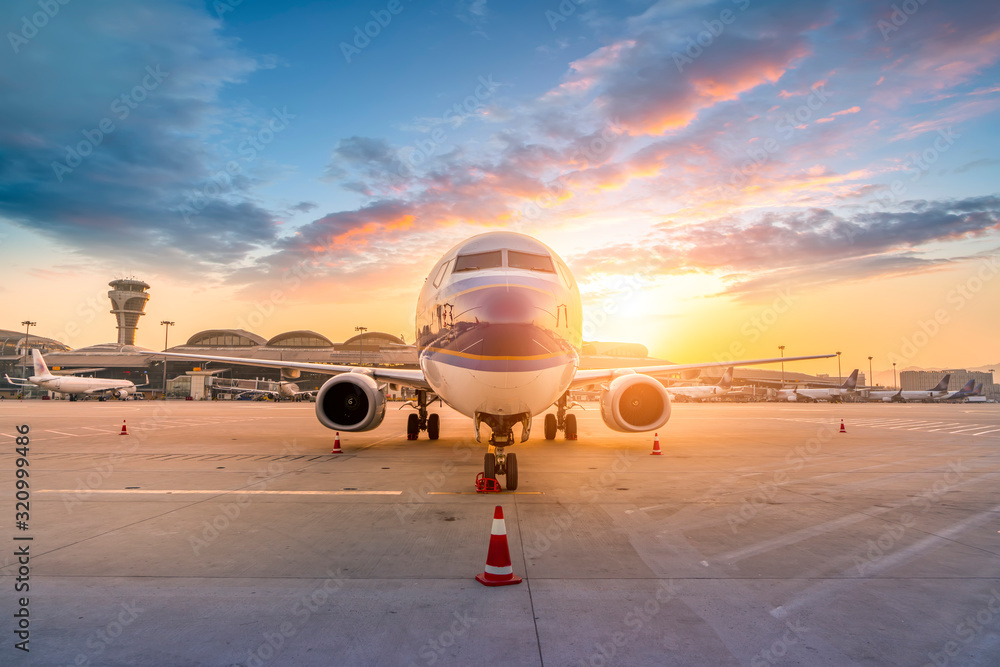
831	394
698	393
900	396
498	331
964	392
285	391
73	385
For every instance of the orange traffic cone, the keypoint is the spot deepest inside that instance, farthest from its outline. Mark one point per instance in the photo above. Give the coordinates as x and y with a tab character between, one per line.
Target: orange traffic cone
498	569
124	429
656	446
336	445
842	429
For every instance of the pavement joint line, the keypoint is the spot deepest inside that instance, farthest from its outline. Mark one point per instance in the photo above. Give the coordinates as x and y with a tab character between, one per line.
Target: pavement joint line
527	581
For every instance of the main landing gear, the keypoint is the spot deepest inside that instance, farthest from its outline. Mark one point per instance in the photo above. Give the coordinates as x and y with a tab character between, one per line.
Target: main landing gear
421	420
560	421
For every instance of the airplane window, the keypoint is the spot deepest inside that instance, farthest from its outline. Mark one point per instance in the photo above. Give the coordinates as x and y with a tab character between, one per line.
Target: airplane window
441	273
479	261
523	260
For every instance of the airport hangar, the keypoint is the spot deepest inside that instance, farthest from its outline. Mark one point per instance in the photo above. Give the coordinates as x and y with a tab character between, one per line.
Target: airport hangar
194	378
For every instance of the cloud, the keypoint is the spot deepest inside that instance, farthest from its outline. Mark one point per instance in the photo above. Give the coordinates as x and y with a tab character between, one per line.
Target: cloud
111	108
808	245
976	164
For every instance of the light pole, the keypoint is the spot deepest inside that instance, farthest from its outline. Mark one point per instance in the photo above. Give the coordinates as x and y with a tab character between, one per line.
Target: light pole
840	378
871	378
361	343
27	350
166	334
782	349
894	375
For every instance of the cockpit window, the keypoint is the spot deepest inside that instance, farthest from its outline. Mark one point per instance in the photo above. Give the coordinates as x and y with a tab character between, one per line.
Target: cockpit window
524	260
479	261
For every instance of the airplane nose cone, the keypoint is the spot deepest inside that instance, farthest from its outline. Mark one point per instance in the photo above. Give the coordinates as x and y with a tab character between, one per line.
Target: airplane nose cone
509	307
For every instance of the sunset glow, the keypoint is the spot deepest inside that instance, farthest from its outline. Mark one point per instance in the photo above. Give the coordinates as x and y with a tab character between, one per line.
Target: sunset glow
693	171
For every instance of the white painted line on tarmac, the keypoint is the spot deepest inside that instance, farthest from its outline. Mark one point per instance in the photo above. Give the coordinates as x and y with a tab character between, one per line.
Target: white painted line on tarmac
473	493
71	435
985	432
945	427
216	492
827	587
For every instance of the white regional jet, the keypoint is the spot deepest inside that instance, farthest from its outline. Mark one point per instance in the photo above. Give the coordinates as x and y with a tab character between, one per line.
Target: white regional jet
73	385
499	327
698	393
900	396
832	394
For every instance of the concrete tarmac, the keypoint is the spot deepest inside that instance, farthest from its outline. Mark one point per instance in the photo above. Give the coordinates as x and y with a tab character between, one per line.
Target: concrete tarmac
228	534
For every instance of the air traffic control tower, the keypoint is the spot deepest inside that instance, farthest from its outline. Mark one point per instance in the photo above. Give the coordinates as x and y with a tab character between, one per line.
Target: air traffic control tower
128	303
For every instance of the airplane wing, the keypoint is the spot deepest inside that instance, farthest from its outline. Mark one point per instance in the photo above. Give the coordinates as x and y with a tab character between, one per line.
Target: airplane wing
406	377
592	376
18	382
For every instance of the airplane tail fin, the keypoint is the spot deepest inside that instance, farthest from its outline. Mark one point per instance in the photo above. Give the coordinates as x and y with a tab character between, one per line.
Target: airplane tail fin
943	384
41	370
727	379
967	389
851	381
979	390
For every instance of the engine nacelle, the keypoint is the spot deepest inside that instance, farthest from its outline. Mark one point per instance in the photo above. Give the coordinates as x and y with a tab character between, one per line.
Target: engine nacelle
122	394
635	402
792	398
350	402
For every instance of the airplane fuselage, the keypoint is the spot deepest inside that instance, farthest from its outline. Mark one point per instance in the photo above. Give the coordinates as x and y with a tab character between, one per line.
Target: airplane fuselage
499	327
67	384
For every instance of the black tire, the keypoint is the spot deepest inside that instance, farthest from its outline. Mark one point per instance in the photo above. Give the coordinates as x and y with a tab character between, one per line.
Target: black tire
433	426
511	472
571	427
490	466
550	426
412	426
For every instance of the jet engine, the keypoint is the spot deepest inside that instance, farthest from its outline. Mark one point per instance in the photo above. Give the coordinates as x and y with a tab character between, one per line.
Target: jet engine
121	393
634	402
350	402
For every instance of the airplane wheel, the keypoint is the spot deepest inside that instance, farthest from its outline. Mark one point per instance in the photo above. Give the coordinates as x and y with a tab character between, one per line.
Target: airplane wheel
412	427
490	466
511	472
550	426
571	427
433	426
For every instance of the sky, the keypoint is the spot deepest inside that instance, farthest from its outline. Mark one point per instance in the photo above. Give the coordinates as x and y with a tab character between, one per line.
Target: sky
722	177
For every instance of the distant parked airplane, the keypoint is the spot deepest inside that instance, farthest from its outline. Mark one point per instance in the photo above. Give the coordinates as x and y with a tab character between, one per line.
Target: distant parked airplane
698	393
900	396
73	385
832	394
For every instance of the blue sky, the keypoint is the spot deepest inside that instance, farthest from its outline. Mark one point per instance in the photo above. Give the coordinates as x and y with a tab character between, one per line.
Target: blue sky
714	153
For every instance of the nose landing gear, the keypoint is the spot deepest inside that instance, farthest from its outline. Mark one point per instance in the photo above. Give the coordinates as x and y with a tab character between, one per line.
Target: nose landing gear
498	462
